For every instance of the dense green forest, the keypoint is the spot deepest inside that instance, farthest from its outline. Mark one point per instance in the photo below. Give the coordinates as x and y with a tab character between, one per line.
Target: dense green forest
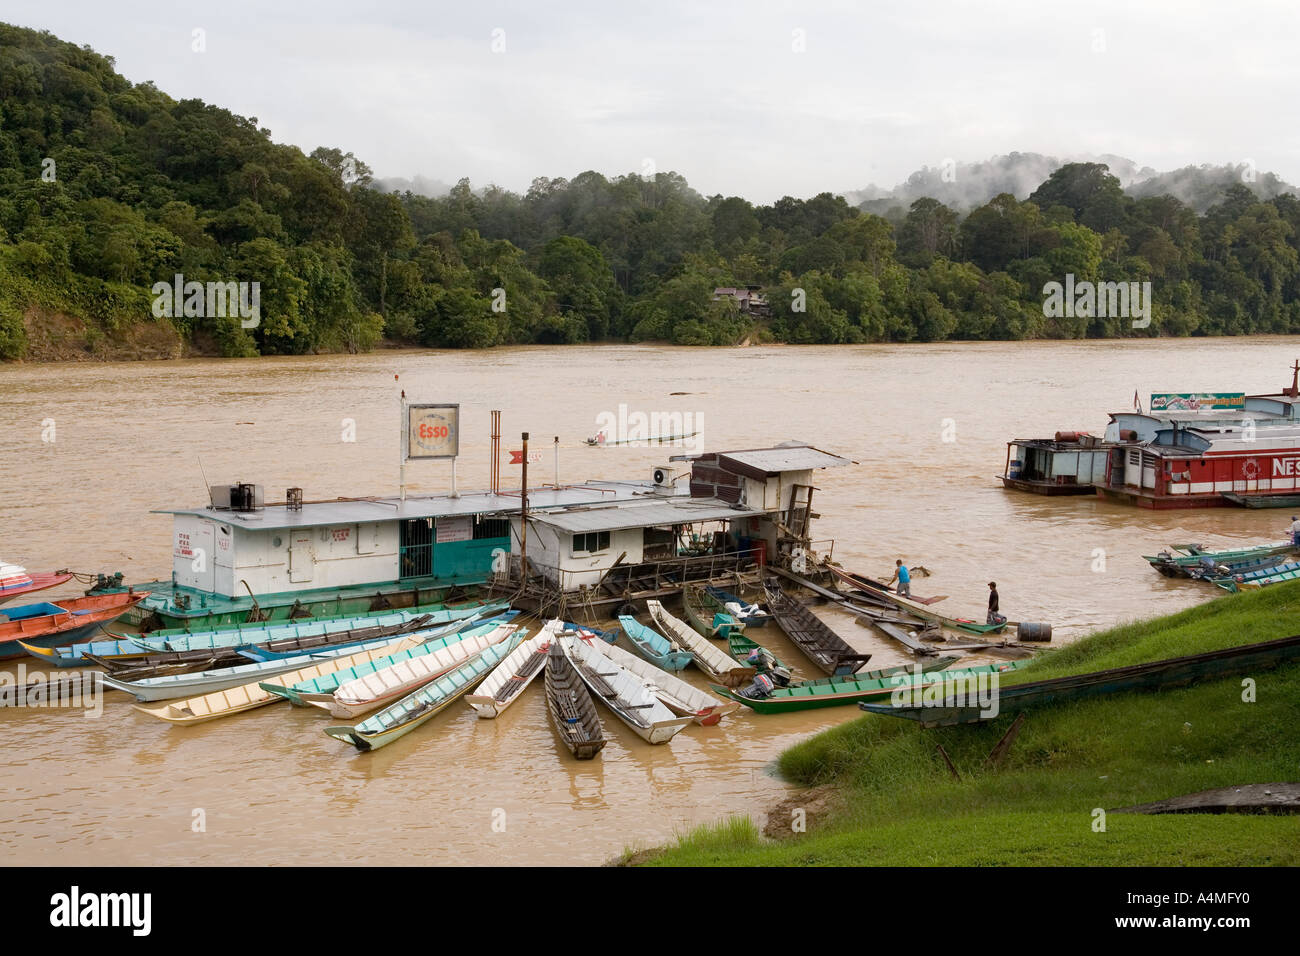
108	187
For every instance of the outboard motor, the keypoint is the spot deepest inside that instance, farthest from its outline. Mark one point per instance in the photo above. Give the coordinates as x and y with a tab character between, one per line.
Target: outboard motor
780	676
760	688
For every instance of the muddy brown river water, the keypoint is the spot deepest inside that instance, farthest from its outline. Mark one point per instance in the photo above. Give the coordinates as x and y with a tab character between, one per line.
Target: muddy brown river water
269	788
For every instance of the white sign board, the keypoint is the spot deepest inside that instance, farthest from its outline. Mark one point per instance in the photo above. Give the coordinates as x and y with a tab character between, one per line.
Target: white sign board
455	529
431	431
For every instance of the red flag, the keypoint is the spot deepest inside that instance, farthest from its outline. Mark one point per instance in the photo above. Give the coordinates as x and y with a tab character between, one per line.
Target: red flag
517	457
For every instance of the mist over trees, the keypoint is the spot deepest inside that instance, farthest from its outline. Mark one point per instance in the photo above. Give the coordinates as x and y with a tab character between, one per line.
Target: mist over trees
109	187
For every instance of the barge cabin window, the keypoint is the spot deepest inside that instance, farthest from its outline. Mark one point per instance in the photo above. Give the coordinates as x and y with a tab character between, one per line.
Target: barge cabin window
591	542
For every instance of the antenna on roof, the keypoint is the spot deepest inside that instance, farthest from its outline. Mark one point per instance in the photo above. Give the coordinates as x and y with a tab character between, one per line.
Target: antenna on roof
1294	390
211	504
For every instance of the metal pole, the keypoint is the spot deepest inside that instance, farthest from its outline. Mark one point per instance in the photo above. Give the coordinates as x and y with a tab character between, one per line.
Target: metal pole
557	461
454	492
401	413
523	518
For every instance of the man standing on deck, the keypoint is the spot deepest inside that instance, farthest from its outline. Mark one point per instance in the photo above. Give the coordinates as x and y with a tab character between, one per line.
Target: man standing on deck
904	579
1295	531
994	617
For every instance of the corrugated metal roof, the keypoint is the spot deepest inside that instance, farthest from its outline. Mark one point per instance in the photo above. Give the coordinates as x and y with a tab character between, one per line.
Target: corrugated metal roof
787	456
349	511
784	458
642	514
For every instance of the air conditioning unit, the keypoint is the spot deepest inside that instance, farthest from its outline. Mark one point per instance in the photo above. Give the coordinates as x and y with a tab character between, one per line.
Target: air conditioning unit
663	477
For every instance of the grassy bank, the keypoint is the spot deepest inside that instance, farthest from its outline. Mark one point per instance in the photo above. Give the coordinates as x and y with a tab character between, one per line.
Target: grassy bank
901	806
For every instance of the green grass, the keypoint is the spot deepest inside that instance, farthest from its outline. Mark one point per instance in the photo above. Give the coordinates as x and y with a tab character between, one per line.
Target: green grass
902	806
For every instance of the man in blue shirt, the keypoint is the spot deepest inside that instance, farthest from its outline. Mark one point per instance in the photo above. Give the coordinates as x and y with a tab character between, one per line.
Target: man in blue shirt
904	579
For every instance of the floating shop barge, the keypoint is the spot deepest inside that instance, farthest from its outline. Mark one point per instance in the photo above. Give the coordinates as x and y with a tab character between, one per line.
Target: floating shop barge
598	543
1190	451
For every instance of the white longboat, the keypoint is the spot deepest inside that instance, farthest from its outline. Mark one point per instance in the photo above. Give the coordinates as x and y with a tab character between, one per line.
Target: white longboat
715	662
632	699
371	691
679	696
509	679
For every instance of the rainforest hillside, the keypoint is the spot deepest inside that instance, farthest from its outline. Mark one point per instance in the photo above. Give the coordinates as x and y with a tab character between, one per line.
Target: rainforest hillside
108	188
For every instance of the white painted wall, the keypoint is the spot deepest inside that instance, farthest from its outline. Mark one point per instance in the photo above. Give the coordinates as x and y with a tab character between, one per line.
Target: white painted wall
325	557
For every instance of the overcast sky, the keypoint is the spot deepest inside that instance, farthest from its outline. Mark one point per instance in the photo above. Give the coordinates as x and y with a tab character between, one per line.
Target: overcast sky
757	98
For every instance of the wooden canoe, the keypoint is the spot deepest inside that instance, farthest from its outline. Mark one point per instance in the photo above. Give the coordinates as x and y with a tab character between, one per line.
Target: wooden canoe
749	614
826	649
46	624
509	679
720	666
845	690
678	696
244	697
125	646
1259	579
173	686
653	646
414	710
742	647
175	662
16	580
1171	672
322	687
365	693
931	664
887	598
573	712
632	699
706	614
861	581
274	651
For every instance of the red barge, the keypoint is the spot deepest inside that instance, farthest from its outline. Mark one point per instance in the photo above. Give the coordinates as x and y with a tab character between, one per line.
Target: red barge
1245	451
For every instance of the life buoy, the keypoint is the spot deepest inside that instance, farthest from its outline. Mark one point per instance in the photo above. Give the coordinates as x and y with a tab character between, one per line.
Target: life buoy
1250	468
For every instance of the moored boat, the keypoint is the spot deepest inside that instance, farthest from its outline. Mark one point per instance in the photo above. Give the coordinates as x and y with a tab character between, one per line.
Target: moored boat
1182	560
47	624
821	645
1263	501
653	646
631	698
747	613
842	691
676	694
368	692
511	677
254	694
863	588
399	719
712	660
1171	672
16	580
126	646
1261	578
322	687
568	701
173	686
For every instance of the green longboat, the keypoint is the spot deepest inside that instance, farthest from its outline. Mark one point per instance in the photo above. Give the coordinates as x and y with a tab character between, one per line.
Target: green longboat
1253	580
413	710
840	691
740	646
1171	672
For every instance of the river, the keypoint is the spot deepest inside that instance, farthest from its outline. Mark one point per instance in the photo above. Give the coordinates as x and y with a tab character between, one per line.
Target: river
927	425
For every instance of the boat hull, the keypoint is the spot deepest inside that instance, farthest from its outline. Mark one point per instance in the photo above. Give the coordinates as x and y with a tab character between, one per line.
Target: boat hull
48	625
1049	488
39	581
1263	501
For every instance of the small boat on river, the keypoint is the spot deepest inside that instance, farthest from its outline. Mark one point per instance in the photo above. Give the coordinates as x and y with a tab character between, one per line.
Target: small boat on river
47	624
573	712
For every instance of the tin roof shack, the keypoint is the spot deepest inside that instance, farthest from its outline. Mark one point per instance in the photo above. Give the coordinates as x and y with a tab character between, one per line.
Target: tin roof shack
1072	463
575	548
775	481
750	300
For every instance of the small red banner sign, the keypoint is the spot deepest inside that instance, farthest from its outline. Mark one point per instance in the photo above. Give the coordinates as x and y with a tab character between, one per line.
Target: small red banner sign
517	457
